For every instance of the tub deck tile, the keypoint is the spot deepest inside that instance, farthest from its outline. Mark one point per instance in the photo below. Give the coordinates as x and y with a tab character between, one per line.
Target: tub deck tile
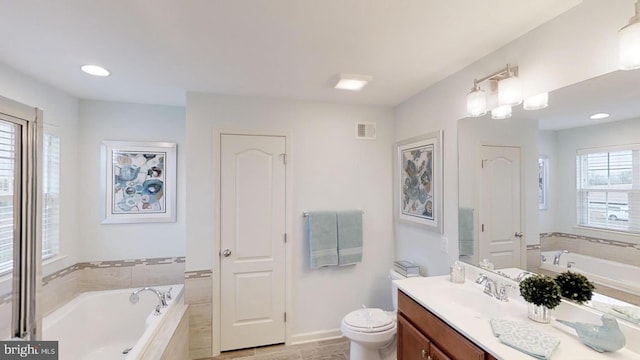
337	349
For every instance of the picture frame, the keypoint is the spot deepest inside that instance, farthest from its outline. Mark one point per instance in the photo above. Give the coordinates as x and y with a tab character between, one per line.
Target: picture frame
138	182
419	181
543	182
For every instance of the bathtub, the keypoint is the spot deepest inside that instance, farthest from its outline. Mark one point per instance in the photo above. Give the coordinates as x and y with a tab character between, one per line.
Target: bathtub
604	272
104	325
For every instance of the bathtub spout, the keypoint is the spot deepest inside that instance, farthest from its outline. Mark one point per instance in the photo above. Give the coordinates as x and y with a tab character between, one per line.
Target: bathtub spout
556	259
162	300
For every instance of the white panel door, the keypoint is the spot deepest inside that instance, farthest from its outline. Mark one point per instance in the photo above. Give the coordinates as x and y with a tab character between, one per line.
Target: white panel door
500	199
252	228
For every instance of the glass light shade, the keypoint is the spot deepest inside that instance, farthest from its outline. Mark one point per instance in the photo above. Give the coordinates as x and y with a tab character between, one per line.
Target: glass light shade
536	102
629	46
501	112
510	91
476	103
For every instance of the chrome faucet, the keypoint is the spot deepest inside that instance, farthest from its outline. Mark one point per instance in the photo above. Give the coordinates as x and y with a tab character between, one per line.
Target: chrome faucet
523	275
556	259
162	298
492	289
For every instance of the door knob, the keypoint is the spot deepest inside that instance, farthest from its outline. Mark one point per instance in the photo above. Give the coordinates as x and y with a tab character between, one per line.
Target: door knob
226	252
519	234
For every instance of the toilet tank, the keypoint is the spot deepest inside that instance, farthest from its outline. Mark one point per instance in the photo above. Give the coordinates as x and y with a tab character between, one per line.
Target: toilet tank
394	288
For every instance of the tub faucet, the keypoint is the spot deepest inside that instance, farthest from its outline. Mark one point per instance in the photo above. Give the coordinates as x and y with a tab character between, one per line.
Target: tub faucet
556	259
162	299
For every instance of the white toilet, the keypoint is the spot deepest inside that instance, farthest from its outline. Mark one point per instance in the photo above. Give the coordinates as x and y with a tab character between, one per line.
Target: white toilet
371	330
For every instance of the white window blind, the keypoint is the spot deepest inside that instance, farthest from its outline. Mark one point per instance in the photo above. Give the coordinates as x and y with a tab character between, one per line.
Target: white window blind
608	188
7	171
51	196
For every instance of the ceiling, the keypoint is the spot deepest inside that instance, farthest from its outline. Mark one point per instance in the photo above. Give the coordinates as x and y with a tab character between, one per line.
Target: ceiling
616	93
157	50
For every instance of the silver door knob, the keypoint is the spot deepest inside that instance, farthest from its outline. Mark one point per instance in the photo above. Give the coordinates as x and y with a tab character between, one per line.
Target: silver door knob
518	234
226	252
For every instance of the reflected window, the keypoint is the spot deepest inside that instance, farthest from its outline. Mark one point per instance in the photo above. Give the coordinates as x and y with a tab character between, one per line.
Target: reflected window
7	180
608	188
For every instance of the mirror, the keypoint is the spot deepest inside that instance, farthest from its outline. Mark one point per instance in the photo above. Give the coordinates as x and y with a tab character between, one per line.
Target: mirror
525	214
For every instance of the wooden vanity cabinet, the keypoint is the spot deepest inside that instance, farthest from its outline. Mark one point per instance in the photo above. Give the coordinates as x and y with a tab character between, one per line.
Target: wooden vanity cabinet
422	335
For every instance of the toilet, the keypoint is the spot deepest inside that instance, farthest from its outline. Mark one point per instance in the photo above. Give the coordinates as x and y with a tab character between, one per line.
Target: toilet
372	330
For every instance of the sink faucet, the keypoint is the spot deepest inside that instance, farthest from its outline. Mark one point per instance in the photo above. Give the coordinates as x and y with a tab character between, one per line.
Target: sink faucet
556	259
162	298
523	275
492	289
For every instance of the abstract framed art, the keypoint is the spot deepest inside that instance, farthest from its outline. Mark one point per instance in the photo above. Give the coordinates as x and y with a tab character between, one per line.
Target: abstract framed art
138	182
419	181
543	180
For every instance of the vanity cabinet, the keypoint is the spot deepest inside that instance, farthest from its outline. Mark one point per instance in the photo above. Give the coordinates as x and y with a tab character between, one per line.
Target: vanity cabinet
422	335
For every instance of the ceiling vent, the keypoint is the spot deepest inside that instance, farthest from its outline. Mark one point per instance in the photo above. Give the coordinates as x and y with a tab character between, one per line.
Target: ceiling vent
366	130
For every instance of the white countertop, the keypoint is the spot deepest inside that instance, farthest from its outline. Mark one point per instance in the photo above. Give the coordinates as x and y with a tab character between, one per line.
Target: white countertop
468	310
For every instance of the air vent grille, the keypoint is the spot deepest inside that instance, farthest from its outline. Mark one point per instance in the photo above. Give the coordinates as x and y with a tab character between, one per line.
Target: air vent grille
366	130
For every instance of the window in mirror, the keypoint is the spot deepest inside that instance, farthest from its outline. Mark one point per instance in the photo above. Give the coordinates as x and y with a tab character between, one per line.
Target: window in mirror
51	196
608	188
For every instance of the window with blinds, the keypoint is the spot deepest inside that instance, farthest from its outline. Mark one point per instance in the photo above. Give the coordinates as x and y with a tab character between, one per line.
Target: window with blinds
51	196
608	188
7	180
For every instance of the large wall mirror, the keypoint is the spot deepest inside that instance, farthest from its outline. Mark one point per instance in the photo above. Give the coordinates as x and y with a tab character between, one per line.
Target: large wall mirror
554	190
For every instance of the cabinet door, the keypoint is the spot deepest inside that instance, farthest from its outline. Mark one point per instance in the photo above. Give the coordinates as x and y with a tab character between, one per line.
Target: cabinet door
437	354
412	345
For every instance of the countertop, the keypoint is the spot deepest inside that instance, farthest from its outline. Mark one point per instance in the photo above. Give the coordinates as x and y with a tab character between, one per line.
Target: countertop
470	316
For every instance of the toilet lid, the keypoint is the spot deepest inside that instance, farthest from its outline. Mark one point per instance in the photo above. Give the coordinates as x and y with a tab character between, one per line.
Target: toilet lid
368	320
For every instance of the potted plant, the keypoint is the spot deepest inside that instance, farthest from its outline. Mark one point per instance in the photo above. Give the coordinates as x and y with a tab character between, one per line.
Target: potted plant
575	286
543	294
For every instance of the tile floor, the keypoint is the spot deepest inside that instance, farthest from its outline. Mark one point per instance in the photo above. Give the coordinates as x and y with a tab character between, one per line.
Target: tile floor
337	349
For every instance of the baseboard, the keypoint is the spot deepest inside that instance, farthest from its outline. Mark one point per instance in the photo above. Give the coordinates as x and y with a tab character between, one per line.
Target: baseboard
315	336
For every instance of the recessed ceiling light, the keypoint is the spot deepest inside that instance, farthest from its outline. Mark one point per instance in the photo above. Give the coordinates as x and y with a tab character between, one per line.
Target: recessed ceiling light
352	82
599	116
95	70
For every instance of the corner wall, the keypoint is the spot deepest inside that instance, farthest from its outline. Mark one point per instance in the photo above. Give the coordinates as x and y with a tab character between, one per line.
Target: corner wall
330	170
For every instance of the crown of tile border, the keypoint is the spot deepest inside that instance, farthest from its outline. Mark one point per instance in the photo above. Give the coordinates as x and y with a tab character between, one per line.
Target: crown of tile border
591	239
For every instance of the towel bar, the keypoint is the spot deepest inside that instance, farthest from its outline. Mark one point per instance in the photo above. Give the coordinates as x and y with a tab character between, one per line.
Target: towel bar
306	213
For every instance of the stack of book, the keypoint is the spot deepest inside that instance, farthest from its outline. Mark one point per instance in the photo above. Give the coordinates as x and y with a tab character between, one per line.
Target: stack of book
406	268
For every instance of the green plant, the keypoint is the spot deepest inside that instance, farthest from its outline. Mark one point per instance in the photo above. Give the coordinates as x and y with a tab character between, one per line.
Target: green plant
540	290
575	286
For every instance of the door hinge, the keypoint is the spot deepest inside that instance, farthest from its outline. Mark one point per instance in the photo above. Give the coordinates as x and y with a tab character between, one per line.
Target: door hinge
284	158
285	317
285	238
482	227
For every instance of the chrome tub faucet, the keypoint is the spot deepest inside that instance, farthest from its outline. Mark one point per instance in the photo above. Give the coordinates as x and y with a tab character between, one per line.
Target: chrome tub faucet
556	259
162	298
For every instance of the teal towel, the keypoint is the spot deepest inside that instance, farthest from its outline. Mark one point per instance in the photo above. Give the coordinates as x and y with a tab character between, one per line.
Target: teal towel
323	238
524	337
349	237
465	231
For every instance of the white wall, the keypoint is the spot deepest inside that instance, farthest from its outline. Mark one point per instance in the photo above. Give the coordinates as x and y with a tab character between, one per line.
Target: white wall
568	141
577	45
330	170
547	219
101	120
60	112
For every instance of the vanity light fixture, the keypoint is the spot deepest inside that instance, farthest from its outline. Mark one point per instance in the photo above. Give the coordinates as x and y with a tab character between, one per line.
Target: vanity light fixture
501	112
352	82
629	42
95	70
599	116
509	89
536	102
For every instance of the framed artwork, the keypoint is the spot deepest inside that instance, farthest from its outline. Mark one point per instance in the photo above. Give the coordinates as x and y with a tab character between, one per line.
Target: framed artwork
419	181
543	179
138	182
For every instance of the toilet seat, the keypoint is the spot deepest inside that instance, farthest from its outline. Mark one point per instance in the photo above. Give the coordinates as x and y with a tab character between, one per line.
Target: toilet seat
368	321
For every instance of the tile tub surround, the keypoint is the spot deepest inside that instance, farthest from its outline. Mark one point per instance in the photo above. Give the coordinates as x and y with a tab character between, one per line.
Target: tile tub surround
198	296
618	251
336	349
62	286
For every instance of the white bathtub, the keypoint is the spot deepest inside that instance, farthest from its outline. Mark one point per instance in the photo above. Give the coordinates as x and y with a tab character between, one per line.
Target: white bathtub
100	325
604	272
